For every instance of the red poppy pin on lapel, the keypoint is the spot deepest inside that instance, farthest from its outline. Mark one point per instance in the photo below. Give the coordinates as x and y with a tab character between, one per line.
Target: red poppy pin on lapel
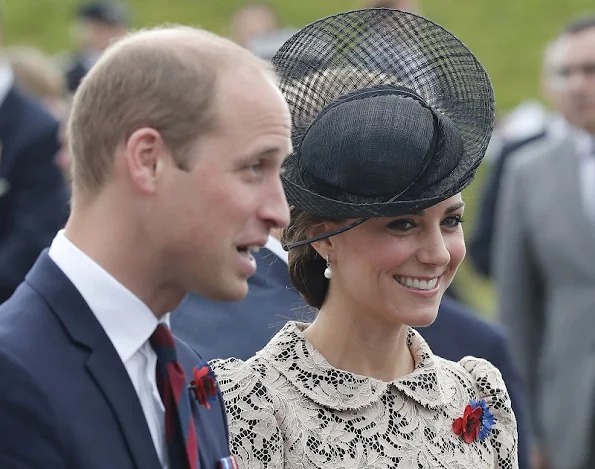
204	384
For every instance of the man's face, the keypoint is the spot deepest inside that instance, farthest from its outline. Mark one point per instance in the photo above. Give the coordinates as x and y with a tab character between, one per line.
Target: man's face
231	197
96	36
570	82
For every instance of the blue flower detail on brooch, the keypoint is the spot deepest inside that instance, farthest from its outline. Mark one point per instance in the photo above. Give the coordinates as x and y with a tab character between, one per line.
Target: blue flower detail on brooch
487	418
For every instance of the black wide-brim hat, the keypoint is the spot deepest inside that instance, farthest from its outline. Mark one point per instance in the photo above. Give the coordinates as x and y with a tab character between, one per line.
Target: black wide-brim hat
391	114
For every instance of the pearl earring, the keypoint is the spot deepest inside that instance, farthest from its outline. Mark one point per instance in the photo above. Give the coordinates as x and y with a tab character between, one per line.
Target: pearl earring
328	272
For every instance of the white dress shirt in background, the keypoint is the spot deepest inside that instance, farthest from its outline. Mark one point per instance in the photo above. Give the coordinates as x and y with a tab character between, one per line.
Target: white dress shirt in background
274	245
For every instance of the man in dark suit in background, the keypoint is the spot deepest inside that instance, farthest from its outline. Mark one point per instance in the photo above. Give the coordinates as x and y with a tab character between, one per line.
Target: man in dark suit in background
224	330
33	195
97	25
481	244
242	328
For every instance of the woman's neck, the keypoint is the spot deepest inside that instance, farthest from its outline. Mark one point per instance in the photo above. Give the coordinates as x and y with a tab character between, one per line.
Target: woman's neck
355	342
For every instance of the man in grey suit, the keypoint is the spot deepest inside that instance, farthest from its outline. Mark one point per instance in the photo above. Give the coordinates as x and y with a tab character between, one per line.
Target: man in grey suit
544	261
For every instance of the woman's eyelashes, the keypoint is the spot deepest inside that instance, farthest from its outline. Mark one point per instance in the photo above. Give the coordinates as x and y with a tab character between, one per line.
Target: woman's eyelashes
402	224
408	224
453	221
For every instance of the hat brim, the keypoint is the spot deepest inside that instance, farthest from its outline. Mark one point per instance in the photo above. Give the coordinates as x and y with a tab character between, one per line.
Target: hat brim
353	50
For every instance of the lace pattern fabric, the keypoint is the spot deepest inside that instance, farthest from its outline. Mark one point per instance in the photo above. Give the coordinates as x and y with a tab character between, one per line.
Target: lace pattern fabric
289	408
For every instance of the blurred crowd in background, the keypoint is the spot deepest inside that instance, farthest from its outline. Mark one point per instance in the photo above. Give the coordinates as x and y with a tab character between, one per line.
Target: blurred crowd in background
533	235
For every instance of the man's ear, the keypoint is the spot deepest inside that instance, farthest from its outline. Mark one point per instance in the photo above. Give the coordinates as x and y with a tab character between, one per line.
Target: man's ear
144	153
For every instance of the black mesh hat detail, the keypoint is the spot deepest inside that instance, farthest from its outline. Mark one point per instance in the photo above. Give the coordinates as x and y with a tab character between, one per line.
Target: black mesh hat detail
391	114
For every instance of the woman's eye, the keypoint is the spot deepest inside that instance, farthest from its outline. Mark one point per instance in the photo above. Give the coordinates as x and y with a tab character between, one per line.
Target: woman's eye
401	225
453	221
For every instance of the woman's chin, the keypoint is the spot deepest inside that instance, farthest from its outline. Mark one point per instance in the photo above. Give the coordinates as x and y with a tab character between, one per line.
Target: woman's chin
421	318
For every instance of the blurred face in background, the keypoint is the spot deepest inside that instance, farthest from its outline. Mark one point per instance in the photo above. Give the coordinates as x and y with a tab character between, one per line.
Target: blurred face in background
252	21
570	78
96	36
405	5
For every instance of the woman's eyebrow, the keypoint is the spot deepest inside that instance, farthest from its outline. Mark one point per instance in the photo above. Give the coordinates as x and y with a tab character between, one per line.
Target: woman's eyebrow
449	210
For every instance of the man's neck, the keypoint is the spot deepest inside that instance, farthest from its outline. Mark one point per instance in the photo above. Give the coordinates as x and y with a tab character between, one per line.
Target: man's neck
118	252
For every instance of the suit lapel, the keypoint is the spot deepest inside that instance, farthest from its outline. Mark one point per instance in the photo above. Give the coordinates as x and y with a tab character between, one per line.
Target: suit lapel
566	177
9	111
210	423
111	377
104	364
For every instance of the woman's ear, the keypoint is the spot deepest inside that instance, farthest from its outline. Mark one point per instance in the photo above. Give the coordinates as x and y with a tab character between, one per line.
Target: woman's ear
324	246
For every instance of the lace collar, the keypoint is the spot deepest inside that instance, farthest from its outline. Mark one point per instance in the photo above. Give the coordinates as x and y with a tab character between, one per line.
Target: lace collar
294	357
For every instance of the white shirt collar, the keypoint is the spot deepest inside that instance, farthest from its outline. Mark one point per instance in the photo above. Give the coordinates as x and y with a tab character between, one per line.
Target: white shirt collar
126	320
6	79
274	245
558	127
585	145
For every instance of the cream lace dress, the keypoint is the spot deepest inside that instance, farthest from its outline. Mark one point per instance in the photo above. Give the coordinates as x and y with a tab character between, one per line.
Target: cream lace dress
289	408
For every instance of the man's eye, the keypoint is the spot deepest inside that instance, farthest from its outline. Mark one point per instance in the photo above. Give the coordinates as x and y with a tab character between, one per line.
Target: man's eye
256	168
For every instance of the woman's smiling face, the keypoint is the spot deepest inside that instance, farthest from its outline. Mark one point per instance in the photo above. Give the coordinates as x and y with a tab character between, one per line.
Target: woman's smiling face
399	268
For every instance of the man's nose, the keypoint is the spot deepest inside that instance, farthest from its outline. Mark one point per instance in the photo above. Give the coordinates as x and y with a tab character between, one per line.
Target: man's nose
275	209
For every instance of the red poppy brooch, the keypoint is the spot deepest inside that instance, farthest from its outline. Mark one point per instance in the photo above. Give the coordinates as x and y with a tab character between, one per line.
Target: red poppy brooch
204	384
477	421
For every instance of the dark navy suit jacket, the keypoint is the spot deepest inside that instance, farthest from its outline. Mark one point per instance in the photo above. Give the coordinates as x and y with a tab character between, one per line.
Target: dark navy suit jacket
223	330
75	73
480	245
66	400
33	193
240	329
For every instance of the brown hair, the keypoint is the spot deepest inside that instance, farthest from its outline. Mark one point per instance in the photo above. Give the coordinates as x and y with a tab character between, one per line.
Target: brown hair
306	266
163	78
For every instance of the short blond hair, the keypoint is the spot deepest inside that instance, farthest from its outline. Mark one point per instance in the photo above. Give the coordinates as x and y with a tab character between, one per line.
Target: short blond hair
36	72
164	78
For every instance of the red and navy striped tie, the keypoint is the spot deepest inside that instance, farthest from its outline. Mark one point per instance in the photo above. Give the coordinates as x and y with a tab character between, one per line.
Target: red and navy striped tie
180	436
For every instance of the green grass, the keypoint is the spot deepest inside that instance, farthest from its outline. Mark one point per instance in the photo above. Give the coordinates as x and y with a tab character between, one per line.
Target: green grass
508	37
